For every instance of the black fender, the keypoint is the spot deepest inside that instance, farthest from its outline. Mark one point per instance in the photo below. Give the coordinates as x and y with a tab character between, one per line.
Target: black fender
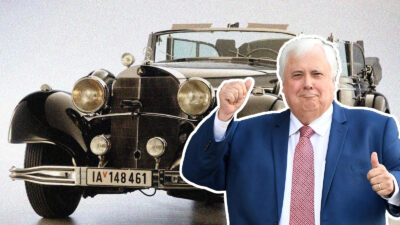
49	117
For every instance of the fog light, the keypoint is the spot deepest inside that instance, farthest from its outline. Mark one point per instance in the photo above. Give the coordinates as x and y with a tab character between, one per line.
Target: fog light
156	147
100	145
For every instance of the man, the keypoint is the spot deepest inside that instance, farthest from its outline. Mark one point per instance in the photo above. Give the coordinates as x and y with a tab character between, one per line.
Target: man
315	163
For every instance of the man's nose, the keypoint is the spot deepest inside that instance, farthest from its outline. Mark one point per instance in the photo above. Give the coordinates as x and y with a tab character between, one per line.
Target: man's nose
308	81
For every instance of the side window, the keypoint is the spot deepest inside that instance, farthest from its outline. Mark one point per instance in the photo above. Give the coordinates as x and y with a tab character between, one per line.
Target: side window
190	49
184	49
207	51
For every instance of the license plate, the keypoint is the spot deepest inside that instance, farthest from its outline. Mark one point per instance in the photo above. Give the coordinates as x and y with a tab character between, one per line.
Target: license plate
113	177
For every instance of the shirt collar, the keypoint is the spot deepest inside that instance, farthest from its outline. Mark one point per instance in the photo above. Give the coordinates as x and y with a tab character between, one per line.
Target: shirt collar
319	125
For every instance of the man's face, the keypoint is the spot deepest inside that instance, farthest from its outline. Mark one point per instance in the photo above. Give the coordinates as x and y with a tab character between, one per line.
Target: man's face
308	84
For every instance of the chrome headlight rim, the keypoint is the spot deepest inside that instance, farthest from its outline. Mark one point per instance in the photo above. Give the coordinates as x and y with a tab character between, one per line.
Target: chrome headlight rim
210	90
164	143
104	88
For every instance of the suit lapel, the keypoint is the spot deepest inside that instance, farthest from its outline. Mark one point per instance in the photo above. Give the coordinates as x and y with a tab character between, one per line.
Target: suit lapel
335	147
280	136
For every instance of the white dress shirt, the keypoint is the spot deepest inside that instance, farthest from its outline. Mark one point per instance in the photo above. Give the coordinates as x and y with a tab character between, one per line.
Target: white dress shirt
319	141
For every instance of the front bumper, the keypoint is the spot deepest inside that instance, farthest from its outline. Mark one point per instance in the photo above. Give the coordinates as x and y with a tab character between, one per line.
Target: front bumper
77	176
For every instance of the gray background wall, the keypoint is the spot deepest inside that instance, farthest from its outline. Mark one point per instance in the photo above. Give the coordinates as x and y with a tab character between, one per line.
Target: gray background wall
57	42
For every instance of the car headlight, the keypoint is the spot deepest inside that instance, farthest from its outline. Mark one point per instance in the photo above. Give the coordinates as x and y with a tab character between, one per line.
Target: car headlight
100	145
156	146
195	96
90	94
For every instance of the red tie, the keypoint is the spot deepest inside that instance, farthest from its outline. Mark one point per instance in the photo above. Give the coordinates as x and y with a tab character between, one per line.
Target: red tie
302	196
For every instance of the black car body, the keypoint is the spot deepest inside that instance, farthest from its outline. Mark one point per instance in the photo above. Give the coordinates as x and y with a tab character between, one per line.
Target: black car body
118	134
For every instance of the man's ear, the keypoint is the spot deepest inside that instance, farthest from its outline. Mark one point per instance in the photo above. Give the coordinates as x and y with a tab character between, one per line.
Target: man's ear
335	84
282	86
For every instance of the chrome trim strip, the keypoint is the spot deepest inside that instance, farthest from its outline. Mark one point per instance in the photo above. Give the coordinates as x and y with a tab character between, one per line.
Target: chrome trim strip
164	115
178	75
173	180
268	71
347	89
89	117
137	125
225	29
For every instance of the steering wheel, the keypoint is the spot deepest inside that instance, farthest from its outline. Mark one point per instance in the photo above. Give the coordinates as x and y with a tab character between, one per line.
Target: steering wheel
263	49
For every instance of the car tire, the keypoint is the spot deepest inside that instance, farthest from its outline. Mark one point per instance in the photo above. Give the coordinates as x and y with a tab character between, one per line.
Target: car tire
47	200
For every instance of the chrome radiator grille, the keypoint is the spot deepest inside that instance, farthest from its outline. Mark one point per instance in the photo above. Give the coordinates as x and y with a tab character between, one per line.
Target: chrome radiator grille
130	135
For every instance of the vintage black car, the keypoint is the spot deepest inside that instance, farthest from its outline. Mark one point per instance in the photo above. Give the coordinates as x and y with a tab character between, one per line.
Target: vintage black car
118	134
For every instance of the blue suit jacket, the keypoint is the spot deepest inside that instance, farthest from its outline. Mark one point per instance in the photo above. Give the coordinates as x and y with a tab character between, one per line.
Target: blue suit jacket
250	164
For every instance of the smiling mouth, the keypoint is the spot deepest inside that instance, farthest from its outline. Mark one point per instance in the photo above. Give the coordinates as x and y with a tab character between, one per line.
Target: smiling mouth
308	96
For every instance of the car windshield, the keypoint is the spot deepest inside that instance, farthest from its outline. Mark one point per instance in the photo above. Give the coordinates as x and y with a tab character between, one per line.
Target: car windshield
218	44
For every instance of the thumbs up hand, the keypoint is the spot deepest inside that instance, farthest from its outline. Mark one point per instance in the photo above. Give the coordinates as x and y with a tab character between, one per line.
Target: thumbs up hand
232	96
380	179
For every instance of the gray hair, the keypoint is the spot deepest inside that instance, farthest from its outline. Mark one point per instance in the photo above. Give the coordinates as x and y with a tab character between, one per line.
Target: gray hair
304	43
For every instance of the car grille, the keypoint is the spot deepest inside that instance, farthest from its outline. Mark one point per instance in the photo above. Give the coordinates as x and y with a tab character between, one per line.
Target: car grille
130	135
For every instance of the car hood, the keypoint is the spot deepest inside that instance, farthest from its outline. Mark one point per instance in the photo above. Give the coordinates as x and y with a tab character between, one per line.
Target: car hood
216	72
